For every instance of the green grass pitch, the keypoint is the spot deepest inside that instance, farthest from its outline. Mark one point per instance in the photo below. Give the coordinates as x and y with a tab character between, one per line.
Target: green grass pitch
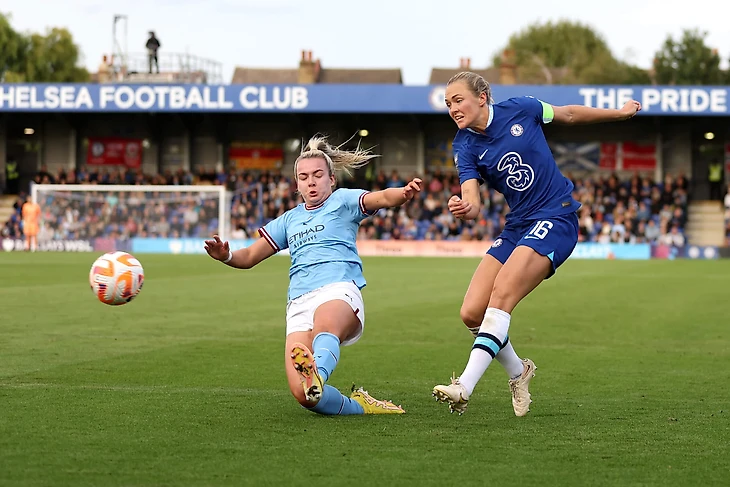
185	385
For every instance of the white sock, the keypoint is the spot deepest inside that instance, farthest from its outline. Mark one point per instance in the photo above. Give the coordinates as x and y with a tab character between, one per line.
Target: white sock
507	357
492	334
511	362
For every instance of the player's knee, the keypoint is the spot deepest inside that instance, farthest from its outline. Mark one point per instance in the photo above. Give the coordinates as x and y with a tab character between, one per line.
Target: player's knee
471	316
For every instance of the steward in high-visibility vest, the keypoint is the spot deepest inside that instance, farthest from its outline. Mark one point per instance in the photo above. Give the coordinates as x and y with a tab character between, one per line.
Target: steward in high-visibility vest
715	178
12	176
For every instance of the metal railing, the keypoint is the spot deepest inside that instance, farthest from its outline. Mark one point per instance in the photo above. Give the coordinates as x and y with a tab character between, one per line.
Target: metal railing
173	67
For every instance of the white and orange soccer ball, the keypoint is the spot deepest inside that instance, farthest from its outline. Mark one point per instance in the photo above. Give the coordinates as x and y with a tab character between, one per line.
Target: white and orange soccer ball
116	278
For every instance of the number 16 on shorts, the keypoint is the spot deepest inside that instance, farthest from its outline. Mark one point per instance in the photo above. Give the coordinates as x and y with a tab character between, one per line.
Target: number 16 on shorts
539	230
555	238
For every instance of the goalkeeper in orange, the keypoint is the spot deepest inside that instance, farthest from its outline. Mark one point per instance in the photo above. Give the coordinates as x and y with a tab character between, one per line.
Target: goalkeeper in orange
31	222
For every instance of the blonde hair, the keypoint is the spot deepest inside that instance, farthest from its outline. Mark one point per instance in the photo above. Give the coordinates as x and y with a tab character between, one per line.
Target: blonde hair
476	84
336	158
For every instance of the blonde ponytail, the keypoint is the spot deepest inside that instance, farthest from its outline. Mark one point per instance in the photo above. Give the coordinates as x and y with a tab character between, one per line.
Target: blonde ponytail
336	158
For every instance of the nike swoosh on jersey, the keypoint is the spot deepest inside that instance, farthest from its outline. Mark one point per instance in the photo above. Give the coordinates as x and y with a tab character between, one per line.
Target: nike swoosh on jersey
483	153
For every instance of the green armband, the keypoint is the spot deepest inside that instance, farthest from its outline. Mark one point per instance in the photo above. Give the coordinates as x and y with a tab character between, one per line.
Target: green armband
547	112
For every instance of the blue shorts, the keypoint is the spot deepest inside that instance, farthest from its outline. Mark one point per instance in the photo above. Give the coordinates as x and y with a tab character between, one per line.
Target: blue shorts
554	238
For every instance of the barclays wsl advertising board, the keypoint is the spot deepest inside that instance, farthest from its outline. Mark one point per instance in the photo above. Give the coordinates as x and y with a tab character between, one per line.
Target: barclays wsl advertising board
423	248
612	251
335	98
582	250
182	245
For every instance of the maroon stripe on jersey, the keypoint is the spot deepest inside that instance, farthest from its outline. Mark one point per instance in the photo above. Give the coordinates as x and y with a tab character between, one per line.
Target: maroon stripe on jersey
306	207
268	238
362	204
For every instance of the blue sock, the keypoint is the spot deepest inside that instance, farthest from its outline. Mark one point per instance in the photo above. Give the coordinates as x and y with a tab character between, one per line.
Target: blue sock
326	349
333	403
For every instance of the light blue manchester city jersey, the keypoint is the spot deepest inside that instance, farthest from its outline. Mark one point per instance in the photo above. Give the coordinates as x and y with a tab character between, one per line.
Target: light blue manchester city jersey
321	241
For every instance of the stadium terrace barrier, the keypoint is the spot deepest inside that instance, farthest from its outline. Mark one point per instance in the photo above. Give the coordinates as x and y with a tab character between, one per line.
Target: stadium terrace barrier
400	248
612	251
422	248
15	245
429	248
688	252
375	248
724	252
178	245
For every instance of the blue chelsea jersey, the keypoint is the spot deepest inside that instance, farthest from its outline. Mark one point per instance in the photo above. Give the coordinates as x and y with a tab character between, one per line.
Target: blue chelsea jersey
514	158
321	241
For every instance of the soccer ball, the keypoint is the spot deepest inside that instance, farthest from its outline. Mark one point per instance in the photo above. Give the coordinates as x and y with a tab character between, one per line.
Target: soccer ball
116	278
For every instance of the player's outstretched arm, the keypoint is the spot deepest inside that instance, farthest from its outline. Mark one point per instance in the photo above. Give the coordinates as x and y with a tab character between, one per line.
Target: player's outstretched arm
467	207
391	197
242	258
582	115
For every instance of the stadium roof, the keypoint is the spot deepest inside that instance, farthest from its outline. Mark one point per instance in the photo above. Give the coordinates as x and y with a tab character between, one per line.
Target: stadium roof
441	76
507	73
312	72
332	75
247	76
368	76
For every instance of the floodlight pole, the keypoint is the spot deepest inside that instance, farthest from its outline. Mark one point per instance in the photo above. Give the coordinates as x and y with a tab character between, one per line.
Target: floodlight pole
117	51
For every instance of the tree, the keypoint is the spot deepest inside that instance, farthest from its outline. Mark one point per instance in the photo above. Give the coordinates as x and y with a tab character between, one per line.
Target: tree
688	61
53	58
12	47
37	58
568	53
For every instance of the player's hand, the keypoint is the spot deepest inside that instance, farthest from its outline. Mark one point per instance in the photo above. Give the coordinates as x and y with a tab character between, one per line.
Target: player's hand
630	109
458	207
410	189
217	249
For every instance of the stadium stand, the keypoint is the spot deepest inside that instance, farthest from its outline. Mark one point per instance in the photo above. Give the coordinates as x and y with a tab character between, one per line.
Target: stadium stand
727	215
637	210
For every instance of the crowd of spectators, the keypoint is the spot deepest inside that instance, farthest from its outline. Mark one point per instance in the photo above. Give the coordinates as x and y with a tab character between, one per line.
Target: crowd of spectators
119	215
726	201
635	210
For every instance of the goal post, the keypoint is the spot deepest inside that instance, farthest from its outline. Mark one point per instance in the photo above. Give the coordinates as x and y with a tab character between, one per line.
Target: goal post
98	210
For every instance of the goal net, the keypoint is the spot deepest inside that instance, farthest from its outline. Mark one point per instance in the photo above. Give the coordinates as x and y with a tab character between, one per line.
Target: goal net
72	212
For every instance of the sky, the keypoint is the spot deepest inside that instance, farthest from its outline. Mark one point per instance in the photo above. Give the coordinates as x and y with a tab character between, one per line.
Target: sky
414	35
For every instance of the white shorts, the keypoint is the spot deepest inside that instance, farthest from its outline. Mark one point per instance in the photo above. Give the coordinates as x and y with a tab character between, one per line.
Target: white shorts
300	311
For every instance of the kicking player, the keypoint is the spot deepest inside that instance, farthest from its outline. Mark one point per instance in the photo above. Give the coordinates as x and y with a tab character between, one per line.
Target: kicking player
325	307
504	145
